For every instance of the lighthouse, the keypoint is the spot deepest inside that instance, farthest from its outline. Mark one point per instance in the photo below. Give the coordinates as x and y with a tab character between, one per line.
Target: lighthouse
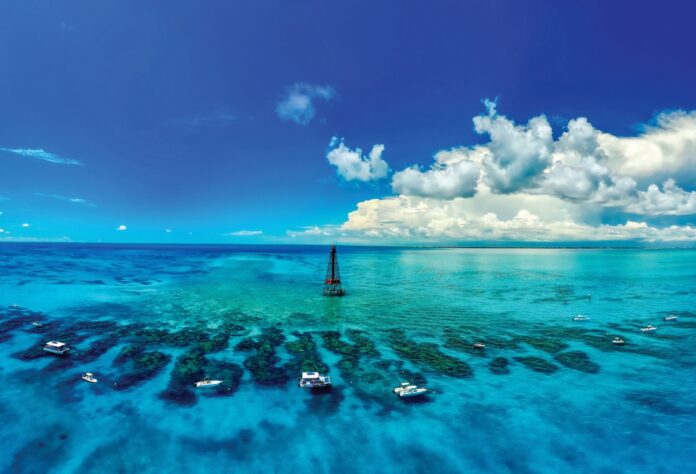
332	282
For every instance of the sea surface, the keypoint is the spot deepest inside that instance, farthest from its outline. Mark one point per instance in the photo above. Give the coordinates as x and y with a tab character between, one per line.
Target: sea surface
546	395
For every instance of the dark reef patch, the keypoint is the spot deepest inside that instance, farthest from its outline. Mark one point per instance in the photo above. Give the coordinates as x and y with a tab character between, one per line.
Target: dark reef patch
192	367
537	364
140	364
263	364
428	355
15	318
463	345
349	364
96	349
499	366
42	453
543	343
656	401
305	355
577	360
188	369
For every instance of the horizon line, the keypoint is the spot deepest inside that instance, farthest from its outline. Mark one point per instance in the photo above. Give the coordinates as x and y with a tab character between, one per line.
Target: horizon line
518	245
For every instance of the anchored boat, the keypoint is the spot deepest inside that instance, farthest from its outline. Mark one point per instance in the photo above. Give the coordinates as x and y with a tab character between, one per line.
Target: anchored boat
671	317
648	328
89	377
408	390
314	380
56	347
207	383
618	341
581	317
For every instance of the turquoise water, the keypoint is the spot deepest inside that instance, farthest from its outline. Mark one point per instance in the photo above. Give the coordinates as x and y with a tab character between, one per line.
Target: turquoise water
547	395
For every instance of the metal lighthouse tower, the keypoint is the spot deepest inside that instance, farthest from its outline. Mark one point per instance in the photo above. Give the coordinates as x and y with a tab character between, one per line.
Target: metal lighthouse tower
332	282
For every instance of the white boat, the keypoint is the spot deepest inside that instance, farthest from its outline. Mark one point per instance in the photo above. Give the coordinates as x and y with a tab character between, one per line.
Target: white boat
479	345
36	324
408	390
314	380
618	340
89	377
207	383
581	317
671	317
648	328
56	347
15	306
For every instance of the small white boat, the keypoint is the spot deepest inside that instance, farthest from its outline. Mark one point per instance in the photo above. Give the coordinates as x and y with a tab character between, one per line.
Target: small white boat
408	390
618	341
207	383
581	317
15	306
36	324
648	328
671	317
479	345
56	347
314	380
89	377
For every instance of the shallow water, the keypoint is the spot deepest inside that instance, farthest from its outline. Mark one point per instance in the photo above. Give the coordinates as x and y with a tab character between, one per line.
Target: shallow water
546	395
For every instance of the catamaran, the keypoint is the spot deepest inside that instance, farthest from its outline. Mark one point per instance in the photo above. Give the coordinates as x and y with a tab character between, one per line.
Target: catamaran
56	347
314	380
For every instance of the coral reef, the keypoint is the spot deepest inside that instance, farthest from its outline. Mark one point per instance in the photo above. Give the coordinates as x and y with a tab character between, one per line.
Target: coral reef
577	360
427	354
499	366
537	364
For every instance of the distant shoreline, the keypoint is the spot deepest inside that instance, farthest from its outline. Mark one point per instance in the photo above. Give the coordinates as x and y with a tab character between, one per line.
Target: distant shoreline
469	246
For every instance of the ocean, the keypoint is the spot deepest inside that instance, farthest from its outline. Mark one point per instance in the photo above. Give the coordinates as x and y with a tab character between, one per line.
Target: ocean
547	394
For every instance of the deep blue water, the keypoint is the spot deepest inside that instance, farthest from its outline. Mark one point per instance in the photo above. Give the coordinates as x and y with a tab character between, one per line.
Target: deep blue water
547	395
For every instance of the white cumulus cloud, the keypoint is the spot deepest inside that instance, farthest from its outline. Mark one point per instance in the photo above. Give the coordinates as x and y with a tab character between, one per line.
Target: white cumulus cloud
665	149
352	165
455	173
298	104
519	153
671	200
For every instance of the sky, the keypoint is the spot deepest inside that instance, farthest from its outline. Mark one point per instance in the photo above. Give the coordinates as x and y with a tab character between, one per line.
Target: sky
375	122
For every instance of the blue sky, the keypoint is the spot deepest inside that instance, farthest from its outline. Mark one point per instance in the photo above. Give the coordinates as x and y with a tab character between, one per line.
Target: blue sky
188	121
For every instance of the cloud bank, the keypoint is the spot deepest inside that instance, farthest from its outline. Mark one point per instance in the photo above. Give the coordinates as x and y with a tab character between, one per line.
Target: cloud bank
41	155
298	104
526	183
